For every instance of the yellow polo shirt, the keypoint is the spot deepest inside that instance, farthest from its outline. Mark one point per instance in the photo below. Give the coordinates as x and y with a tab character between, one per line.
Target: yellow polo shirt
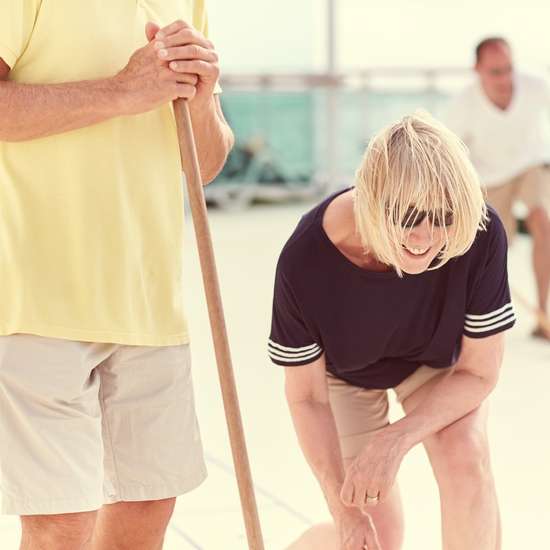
91	221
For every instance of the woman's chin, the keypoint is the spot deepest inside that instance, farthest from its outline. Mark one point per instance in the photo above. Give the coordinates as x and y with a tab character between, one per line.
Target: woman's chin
415	267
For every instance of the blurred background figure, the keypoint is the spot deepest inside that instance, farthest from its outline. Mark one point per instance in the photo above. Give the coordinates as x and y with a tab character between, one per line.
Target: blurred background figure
503	117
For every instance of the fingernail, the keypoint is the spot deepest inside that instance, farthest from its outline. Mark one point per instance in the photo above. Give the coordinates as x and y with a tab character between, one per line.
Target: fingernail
159	45
163	53
160	35
173	65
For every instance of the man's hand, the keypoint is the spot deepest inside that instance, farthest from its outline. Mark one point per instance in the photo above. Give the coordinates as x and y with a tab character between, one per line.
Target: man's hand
356	531
373	472
146	82
186	52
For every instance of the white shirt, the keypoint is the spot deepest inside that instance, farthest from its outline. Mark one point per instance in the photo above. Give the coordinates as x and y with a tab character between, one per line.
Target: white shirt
504	143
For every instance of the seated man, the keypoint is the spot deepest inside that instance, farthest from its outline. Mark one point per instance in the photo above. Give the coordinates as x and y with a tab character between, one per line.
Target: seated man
503	119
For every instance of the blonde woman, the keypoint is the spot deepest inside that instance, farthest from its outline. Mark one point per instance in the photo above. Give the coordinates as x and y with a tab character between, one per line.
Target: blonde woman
398	282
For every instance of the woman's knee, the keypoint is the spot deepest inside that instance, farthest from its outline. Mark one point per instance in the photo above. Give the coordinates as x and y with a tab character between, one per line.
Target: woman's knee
461	454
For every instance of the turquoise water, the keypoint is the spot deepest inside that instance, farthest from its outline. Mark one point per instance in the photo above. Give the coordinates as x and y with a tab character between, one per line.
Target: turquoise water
292	127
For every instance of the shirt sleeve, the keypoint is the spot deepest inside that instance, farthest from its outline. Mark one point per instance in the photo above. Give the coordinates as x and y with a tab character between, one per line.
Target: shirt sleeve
17	18
200	22
291	342
490	309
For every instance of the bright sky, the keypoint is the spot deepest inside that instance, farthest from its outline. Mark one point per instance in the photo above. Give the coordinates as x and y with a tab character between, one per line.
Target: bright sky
271	35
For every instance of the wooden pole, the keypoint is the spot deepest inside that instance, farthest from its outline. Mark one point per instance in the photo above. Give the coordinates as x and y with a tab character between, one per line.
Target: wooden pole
190	163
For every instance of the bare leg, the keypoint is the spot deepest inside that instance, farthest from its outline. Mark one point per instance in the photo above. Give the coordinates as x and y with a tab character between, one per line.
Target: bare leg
460	459
57	532
539	227
133	525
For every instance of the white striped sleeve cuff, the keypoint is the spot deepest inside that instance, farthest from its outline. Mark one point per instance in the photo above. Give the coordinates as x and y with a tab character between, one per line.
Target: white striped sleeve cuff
478	326
284	355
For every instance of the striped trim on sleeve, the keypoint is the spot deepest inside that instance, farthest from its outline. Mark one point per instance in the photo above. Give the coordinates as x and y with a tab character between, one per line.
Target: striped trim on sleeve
287	355
480	325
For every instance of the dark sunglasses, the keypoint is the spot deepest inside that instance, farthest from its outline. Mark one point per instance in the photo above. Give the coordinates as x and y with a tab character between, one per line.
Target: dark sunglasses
414	217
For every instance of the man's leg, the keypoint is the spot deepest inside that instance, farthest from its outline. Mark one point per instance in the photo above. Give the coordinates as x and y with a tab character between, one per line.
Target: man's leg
501	198
132	525
534	191
460	459
57	532
538	224
153	450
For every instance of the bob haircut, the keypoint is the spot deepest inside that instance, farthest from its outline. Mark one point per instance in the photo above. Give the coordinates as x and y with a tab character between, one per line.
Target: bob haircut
417	163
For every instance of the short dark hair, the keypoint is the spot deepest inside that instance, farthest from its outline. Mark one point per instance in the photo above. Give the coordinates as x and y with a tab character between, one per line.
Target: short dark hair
487	42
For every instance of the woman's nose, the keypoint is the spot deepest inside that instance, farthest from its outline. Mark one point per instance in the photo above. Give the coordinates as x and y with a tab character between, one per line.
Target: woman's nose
421	234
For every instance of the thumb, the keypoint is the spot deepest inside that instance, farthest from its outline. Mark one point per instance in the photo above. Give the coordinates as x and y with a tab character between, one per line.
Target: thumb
151	30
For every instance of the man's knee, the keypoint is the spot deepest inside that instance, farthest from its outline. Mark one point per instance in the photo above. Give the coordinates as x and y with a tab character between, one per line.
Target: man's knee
58	531
146	520
538	222
160	510
461	456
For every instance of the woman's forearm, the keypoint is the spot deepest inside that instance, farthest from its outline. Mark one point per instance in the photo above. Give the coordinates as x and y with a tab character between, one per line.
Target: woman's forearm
452	398
316	431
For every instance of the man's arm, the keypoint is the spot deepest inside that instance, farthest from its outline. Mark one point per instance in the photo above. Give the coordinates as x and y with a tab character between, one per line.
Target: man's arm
34	111
213	136
187	51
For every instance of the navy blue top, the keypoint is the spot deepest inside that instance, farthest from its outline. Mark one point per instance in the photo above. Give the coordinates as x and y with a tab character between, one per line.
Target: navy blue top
376	328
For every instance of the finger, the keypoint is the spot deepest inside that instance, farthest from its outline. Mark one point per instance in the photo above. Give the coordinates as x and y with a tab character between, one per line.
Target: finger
183	37
359	496
151	30
372	498
190	52
346	493
186	91
201	68
371	536
187	78
174	27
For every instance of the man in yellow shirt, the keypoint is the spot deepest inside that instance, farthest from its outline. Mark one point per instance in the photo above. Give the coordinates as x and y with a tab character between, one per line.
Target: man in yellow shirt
98	433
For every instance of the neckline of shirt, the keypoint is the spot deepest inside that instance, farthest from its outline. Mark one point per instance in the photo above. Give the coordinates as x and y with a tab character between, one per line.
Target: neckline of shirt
337	253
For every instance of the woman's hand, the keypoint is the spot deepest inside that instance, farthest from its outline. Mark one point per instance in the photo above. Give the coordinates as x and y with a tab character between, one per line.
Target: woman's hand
372	474
356	531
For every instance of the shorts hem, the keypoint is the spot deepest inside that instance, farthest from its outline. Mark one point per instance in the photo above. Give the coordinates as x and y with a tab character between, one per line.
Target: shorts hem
20	507
138	493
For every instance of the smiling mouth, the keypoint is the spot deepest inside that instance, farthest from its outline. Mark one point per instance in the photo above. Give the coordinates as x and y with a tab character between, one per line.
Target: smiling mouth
417	252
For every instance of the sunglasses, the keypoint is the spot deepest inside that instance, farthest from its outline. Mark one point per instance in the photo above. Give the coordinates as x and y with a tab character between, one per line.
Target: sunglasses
414	217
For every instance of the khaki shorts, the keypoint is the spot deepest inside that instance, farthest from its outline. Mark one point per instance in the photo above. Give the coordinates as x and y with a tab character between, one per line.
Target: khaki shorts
359	413
85	424
532	188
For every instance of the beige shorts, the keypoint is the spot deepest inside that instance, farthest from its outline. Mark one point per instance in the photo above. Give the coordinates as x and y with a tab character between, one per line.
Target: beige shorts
84	424
359	412
532	188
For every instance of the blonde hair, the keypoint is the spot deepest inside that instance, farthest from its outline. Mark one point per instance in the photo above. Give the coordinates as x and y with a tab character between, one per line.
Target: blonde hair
417	163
